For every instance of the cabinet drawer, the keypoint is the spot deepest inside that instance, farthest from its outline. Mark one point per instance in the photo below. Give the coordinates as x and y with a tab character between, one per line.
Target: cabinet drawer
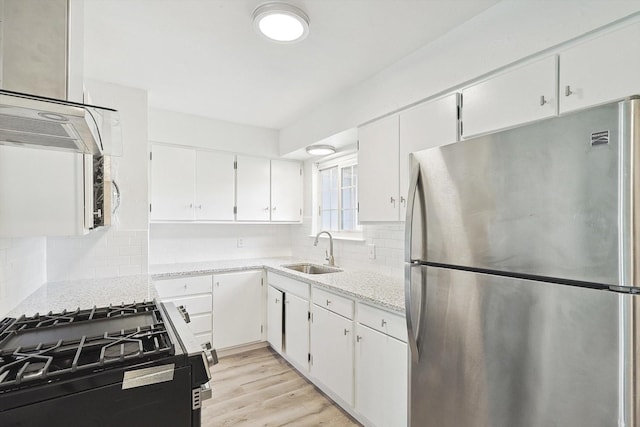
183	286
382	321
332	302
198	304
289	285
200	323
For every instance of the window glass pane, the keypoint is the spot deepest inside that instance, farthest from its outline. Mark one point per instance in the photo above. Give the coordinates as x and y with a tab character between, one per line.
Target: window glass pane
348	220
347	199
346	177
355	175
325	220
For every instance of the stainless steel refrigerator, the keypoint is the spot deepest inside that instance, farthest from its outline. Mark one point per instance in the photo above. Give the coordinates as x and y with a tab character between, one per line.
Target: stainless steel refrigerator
522	272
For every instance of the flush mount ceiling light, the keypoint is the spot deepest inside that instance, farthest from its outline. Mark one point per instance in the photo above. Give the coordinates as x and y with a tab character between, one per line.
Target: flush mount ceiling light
320	150
281	22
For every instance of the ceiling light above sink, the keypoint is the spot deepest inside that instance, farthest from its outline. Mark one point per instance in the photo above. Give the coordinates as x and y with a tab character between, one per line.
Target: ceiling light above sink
281	22
320	150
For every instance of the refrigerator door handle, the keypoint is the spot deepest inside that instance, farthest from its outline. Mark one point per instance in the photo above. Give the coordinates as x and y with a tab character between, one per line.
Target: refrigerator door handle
411	198
413	331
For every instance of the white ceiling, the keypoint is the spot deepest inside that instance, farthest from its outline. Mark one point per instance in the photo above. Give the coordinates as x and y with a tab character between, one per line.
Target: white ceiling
203	57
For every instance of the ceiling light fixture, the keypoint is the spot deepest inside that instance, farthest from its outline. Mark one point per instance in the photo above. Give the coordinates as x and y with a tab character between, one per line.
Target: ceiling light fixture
320	150
281	22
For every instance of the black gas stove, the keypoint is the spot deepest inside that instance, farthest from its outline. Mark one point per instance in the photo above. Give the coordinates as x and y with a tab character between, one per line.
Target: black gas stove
135	364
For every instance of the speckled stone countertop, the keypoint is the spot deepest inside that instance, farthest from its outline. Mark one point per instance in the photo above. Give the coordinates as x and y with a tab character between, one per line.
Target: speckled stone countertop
381	290
72	294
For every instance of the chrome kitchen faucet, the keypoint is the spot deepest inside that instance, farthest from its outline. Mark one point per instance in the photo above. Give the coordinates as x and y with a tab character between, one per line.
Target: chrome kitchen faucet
329	255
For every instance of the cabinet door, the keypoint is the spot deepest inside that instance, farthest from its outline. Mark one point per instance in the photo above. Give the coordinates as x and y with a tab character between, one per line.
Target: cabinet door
274	318
396	383
41	193
286	191
378	188
296	330
431	124
332	352
600	70
215	186
237	308
518	96
173	183
370	361
253	189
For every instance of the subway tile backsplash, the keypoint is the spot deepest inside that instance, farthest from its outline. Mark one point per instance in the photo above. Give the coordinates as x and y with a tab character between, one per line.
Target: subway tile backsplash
23	268
106	252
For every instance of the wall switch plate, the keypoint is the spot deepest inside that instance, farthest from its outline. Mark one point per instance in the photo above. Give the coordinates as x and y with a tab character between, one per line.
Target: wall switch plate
372	251
240	242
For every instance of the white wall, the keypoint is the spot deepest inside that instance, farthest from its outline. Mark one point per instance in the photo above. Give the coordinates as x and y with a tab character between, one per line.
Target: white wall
121	249
23	263
197	131
505	33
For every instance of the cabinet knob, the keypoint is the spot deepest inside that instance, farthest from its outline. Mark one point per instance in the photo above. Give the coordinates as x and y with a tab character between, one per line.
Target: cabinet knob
543	100
266	209
383	323
346	331
190	205
358	338
567	90
403	200
274	208
328	302
277	300
199	206
393	201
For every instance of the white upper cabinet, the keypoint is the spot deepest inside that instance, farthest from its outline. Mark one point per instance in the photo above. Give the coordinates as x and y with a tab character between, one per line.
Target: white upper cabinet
600	70
173	183
517	96
215	193
430	124
378	188
253	189
286	191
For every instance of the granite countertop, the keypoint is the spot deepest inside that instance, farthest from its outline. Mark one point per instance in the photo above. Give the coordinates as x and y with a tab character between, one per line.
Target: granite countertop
72	294
378	289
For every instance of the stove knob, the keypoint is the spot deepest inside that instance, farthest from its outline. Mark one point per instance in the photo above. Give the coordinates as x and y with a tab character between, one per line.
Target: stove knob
210	354
185	315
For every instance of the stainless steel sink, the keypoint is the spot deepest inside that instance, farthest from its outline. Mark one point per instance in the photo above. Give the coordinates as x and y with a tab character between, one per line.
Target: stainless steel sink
307	268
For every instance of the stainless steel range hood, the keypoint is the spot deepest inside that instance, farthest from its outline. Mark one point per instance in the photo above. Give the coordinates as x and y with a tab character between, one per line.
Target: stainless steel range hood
38	47
38	122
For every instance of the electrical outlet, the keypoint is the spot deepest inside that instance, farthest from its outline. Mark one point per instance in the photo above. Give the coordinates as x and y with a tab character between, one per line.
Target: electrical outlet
240	242
372	251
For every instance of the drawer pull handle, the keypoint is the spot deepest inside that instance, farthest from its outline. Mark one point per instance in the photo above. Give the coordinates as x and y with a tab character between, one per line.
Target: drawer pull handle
346	331
328	302
543	101
358	338
277	300
383	323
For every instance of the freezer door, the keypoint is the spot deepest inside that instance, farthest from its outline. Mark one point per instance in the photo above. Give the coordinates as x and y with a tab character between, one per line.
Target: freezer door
505	352
540	200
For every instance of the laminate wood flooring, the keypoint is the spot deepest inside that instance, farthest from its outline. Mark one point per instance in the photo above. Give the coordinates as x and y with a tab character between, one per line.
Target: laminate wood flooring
259	388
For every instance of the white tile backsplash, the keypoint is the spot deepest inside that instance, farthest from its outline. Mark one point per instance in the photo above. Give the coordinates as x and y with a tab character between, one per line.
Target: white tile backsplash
387	237
23	268
106	252
174	243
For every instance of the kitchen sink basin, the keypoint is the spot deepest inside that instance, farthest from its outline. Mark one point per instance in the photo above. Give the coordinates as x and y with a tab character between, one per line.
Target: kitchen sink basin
307	268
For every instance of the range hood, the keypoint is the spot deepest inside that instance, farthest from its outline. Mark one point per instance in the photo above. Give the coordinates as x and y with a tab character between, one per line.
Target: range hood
39	122
42	58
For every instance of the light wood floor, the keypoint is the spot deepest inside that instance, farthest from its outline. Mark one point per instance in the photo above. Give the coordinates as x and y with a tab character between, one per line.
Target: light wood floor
259	388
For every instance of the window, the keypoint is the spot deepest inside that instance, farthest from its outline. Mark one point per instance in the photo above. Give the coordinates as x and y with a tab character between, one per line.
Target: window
338	195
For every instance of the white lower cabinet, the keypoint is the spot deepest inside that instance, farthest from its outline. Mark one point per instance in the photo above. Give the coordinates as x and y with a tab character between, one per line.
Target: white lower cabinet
237	308
296	330
332	350
381	378
194	294
274	318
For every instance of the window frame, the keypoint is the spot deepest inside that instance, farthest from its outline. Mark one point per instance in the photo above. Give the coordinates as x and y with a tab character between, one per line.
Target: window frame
340	162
